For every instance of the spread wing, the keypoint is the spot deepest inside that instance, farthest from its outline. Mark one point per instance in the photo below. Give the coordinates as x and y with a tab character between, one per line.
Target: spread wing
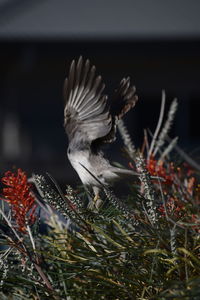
86	115
124	99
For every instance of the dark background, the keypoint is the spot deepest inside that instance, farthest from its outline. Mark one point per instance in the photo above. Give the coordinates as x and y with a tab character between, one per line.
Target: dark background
158	46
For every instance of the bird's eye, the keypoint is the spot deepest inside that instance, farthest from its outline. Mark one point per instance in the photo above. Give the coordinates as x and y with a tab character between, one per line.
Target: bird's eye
69	151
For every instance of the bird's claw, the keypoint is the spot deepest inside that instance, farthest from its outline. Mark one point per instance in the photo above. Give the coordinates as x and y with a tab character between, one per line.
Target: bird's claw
95	203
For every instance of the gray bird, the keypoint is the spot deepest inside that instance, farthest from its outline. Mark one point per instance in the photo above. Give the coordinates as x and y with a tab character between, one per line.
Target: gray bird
89	124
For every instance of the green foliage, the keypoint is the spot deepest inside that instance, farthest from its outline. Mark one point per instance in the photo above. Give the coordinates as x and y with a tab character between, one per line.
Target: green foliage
108	256
146	247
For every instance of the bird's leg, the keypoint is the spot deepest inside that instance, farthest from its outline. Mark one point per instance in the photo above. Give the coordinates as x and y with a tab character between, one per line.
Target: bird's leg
89	195
96	202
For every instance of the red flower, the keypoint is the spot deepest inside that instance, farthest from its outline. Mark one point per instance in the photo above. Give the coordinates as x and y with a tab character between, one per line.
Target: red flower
157	168
173	206
195	219
18	195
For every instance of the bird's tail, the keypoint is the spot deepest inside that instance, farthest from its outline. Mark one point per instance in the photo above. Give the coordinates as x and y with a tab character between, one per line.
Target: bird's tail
126	173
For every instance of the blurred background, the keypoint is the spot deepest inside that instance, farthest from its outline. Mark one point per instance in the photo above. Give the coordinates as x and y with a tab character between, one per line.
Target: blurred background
157	43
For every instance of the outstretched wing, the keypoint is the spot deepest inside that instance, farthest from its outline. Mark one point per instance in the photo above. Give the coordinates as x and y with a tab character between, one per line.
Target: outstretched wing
126	93
86	115
125	98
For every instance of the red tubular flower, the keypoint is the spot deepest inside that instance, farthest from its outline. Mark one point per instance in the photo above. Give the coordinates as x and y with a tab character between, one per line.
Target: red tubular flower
195	219
156	168
174	208
18	195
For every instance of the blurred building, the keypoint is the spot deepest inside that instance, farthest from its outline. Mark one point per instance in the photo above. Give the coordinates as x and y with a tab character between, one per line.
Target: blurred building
157	43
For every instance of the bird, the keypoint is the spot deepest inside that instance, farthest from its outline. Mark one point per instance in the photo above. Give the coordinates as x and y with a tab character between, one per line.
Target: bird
90	124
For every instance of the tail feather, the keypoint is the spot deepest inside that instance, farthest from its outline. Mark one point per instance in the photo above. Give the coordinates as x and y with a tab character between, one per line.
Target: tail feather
125	172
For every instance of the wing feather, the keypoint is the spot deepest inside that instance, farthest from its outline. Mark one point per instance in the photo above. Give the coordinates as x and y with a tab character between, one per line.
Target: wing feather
86	114
126	97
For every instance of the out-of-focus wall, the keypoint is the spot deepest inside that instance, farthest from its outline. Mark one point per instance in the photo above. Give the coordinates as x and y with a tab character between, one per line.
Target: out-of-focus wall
157	45
113	19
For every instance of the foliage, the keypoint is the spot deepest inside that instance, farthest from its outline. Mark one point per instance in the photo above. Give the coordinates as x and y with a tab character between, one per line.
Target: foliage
147	247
